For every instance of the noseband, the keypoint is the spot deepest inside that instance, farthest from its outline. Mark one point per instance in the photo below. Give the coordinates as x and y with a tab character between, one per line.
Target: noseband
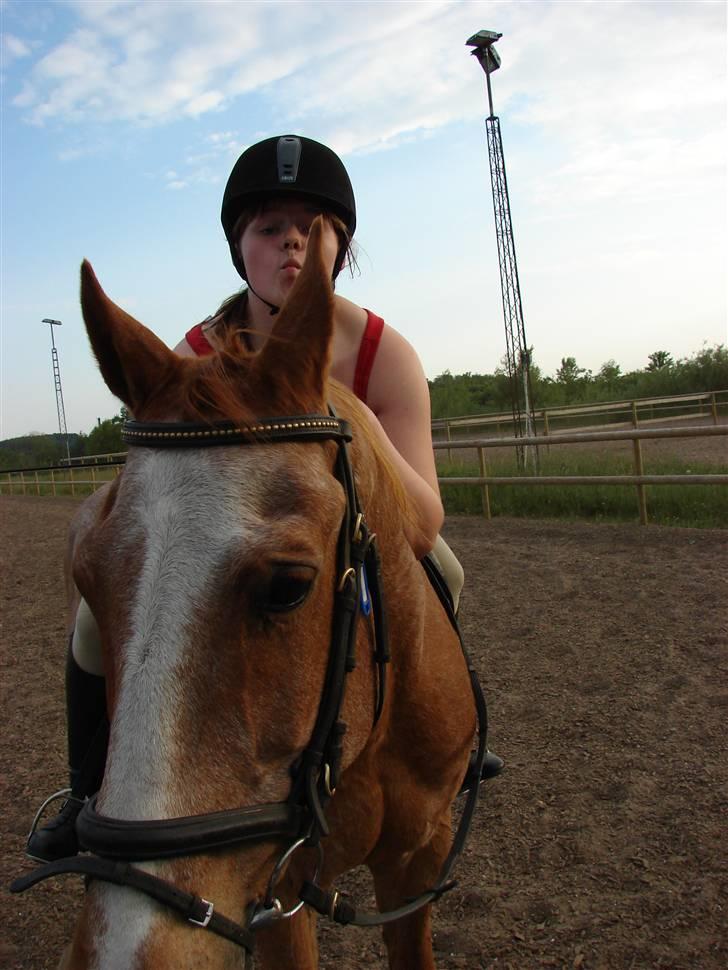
115	843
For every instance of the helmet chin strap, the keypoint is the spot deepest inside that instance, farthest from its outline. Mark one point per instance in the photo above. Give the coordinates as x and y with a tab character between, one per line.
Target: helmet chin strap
273	308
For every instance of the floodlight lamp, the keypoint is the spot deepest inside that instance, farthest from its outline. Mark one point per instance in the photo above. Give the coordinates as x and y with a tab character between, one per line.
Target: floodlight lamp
53	323
487	56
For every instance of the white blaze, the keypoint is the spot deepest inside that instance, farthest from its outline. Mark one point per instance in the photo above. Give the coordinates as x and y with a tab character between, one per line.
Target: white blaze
186	513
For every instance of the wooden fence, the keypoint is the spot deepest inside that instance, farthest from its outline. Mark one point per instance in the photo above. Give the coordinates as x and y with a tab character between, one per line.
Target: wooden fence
634	413
62	480
103	468
638	479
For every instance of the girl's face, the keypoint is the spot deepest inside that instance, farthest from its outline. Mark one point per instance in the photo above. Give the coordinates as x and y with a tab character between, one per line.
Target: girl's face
273	246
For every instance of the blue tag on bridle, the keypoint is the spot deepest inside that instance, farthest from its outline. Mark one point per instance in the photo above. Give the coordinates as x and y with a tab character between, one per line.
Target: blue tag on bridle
365	601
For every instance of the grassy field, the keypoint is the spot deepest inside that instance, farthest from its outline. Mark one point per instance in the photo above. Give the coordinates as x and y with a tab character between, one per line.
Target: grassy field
695	506
59	481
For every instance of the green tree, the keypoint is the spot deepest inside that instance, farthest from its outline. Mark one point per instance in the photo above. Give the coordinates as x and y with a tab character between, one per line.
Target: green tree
609	373
659	360
105	438
572	378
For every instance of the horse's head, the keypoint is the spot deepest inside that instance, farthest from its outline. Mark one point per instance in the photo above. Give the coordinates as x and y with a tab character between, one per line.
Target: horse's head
211	574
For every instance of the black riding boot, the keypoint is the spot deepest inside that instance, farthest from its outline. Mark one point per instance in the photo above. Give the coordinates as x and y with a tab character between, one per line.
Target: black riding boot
88	737
492	766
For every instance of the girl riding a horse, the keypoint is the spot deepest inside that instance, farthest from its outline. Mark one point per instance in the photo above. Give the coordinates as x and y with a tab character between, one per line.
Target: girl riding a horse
275	191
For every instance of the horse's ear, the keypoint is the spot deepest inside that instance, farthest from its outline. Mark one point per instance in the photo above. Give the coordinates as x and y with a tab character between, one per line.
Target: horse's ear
132	360
298	349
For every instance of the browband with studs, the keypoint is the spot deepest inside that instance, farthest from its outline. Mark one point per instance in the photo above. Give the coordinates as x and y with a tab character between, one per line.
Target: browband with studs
182	434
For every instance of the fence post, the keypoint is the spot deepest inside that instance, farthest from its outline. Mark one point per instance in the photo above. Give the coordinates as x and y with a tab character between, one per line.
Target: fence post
447	435
639	470
635	419
93	478
73	488
713	408
546	430
37	484
485	491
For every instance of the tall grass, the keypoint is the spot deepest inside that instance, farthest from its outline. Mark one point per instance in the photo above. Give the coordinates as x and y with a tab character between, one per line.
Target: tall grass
696	506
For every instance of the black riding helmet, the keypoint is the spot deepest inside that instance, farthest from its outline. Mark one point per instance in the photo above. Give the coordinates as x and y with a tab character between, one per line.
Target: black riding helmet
287	164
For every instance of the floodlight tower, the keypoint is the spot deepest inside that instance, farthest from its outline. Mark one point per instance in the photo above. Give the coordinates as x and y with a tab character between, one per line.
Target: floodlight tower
517	353
59	390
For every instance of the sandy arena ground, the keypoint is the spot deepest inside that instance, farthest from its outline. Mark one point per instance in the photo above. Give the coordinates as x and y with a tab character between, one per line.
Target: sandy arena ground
603	652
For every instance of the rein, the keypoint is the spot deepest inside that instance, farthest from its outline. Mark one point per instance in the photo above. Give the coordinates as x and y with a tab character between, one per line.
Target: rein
301	818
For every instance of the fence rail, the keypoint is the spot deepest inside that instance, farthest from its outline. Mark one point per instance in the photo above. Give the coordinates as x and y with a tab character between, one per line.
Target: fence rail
638	479
104	468
637	411
54	479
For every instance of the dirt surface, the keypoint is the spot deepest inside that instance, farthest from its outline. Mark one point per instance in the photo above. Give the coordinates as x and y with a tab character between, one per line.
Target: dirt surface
603	651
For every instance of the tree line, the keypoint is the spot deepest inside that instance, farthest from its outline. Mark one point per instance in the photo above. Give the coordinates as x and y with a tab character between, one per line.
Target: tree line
43	450
462	394
452	395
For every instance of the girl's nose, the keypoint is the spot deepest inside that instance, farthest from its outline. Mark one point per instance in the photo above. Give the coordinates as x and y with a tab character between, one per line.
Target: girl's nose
293	238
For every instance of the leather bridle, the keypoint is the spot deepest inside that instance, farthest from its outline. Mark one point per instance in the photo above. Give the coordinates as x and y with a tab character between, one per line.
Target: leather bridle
115	843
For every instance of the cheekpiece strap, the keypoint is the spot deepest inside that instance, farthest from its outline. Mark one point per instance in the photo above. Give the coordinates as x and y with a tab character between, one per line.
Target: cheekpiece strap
196	910
183	434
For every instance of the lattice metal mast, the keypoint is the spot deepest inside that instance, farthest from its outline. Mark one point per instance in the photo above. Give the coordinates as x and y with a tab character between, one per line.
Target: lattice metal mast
517	353
57	384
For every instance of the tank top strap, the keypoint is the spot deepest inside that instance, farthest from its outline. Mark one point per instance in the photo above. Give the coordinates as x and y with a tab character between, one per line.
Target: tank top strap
198	341
367	352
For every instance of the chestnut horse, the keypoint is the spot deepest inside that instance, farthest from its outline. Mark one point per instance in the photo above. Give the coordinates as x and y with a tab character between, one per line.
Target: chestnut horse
212	574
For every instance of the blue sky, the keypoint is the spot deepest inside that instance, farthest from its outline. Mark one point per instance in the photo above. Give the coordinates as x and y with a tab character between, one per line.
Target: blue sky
121	121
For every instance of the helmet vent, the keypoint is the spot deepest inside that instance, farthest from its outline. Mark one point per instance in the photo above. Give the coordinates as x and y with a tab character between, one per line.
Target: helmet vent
289	155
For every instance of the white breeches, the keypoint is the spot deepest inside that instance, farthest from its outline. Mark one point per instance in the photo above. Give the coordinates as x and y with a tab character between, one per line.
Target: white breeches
86	645
450	568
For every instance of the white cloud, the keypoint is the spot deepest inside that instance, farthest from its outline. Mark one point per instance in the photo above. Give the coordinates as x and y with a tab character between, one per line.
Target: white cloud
366	75
158	61
12	49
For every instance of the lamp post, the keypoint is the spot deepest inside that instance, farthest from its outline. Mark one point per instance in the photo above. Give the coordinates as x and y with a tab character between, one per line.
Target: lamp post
517	352
57	384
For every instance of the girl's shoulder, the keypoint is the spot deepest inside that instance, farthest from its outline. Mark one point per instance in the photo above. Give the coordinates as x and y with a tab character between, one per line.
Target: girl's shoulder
395	376
349	316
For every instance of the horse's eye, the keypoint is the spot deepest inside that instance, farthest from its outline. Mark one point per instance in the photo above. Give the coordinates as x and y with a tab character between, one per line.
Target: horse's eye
288	588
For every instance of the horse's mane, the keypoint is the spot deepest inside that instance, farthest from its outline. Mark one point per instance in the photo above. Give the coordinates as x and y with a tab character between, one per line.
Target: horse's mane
348	405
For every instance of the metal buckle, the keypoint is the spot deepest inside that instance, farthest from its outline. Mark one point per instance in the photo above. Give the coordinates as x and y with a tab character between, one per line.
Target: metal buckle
348	575
207	917
356	534
327	781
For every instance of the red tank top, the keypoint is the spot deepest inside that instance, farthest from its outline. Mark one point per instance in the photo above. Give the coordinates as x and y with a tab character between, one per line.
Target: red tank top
198	341
368	347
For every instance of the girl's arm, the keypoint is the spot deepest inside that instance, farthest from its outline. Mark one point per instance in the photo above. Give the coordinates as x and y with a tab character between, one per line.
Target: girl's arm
399	407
